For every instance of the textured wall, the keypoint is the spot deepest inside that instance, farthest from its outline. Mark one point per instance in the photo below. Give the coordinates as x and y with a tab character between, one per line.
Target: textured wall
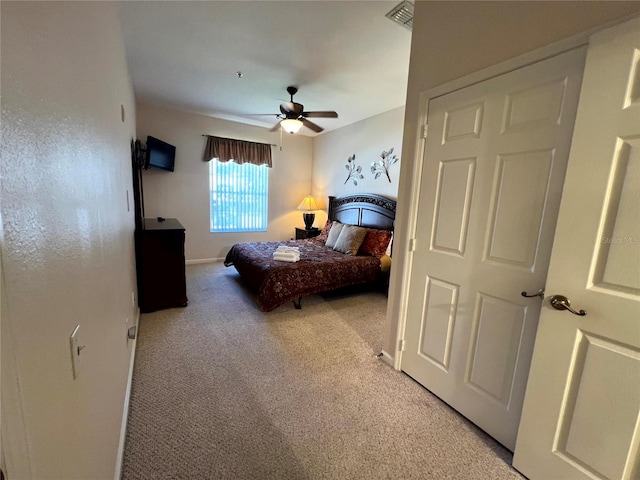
304	165
184	193
366	139
67	254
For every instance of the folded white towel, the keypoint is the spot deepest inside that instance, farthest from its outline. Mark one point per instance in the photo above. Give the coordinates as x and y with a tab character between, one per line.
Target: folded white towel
286	257
282	257
287	249
288	254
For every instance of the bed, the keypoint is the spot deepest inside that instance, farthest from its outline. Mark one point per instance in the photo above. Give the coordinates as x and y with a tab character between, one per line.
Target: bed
320	269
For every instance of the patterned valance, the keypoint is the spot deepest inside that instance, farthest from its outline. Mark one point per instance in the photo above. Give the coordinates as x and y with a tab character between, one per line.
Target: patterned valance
240	151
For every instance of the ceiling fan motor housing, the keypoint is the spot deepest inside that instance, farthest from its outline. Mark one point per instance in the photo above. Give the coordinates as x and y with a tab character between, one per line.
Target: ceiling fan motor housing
295	111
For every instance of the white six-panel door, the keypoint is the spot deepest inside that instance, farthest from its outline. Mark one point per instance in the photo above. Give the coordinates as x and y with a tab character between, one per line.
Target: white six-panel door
581	417
494	166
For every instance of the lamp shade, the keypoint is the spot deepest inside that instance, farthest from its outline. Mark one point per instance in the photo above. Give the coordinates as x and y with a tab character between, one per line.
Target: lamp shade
308	203
291	125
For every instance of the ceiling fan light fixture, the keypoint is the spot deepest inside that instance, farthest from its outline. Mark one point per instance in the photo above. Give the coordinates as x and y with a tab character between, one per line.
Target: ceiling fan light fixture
291	125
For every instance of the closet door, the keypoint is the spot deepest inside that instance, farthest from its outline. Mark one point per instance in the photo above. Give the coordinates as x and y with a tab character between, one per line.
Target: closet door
495	160
581	417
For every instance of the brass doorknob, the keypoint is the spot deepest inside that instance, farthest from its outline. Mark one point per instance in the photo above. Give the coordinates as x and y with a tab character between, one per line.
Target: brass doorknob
539	294
560	302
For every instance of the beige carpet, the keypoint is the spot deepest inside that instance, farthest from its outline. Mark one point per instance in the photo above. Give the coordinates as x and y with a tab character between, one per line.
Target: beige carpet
223	391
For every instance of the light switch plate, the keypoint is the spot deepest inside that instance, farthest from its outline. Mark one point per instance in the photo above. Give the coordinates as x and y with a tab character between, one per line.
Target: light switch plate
75	352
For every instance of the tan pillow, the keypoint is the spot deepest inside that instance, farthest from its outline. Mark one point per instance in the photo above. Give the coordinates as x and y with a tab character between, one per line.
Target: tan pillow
350	239
334	233
385	263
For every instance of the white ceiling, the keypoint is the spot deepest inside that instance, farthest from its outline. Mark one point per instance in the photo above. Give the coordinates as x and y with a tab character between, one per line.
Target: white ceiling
342	55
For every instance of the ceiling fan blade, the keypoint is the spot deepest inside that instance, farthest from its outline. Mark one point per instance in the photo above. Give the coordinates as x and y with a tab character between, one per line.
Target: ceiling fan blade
310	125
326	114
291	108
275	128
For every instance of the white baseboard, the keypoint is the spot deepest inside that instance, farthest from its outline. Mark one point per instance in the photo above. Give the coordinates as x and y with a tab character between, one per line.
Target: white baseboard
127	398
386	358
204	260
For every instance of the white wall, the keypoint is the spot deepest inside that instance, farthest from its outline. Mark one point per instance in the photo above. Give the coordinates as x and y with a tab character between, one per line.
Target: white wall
184	193
67	251
454	39
366	139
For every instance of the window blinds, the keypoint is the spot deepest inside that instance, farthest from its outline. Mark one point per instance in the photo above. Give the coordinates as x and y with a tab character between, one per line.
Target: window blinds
239	197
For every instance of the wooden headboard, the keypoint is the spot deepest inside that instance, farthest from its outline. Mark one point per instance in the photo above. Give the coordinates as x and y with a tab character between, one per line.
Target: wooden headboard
365	210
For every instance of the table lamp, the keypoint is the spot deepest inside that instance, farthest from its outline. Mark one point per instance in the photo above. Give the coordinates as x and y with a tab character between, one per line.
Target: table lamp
309	204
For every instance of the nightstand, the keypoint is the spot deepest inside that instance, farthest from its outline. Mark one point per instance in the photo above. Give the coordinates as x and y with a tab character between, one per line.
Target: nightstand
302	233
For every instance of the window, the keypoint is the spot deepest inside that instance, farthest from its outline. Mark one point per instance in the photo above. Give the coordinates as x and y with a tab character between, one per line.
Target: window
238	184
239	195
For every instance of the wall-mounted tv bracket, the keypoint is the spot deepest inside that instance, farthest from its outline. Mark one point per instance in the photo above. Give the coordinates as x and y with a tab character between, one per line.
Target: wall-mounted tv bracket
140	153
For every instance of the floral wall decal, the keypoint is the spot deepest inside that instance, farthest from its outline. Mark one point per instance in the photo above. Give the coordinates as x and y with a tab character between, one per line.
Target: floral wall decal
382	166
355	172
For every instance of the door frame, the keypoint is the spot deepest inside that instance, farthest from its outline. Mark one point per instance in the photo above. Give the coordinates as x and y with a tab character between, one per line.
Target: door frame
408	198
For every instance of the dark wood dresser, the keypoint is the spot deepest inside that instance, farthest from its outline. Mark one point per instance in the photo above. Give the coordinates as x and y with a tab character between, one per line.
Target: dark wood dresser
161	265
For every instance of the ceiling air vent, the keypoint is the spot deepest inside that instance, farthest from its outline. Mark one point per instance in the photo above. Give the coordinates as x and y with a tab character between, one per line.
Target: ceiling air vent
402	14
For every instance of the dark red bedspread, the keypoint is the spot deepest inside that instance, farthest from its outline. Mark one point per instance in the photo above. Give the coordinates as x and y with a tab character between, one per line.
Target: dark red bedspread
319	269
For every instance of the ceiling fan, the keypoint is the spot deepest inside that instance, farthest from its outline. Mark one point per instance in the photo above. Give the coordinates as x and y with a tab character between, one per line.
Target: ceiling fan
292	116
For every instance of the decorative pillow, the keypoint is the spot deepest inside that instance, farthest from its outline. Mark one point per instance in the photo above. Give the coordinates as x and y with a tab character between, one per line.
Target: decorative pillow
350	239
325	232
385	263
375	242
390	246
333	235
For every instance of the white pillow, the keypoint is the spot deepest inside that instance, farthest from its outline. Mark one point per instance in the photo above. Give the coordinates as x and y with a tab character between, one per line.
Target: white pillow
388	252
334	233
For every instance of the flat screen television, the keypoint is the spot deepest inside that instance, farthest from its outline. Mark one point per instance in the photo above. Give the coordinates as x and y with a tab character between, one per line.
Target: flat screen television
159	154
